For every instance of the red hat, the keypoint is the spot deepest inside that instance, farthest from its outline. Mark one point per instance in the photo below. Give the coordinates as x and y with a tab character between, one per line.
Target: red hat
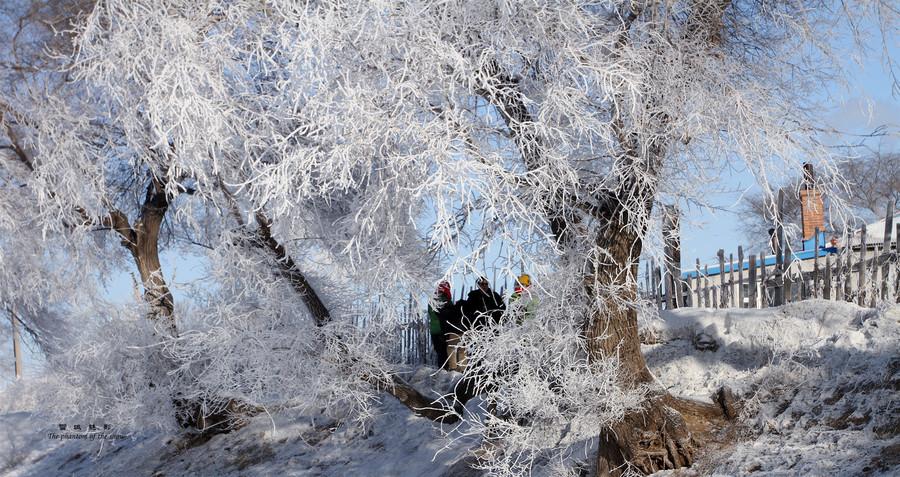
444	289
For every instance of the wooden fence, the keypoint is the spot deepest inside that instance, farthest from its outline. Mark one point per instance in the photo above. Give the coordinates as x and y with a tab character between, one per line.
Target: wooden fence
861	271
409	340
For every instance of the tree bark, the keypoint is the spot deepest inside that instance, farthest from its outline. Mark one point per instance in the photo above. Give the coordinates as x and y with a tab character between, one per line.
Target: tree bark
289	270
142	241
612	331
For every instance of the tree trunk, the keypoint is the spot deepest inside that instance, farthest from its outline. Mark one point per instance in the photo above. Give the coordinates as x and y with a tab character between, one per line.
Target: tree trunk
156	291
613	330
142	240
289	270
666	432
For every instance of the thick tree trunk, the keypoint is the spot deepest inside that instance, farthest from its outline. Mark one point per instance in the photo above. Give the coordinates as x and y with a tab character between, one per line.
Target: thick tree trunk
612	330
666	432
142	241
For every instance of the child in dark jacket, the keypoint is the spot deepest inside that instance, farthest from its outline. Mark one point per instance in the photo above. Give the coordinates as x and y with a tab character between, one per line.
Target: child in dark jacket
483	306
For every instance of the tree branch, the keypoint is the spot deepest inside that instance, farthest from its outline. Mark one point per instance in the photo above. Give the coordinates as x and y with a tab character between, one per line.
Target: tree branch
394	385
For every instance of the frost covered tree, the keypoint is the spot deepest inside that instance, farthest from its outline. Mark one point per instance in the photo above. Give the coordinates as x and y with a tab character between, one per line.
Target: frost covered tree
324	151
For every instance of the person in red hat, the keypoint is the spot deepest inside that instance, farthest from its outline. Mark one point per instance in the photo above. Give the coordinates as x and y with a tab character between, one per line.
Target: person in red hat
440	310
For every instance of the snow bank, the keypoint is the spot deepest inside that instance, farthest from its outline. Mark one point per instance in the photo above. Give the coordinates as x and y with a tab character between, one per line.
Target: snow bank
747	340
821	382
793	326
395	442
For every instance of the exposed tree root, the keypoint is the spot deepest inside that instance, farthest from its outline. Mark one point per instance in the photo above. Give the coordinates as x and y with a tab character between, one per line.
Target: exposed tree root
225	417
666	434
418	403
649	440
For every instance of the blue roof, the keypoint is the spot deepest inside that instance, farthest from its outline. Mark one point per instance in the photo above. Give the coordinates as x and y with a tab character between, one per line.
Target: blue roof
770	260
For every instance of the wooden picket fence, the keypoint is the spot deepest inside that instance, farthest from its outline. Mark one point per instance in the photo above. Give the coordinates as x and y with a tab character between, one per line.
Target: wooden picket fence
409	339
861	272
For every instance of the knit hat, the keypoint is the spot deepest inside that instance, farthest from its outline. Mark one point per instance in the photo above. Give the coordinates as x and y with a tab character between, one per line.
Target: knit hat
444	289
524	280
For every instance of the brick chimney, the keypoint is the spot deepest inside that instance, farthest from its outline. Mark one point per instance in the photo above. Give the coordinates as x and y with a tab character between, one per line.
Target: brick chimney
812	204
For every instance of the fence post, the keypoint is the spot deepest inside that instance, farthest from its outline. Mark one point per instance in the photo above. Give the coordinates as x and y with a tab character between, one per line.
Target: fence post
779	257
413	320
788	281
861	277
751	288
657	276
647	287
886	252
723	300
741	277
897	262
699	295
826	290
873	281
424	339
816	267
848	271
17	351
672	239
690	291
838	275
706	288
763	288
668	286
731	280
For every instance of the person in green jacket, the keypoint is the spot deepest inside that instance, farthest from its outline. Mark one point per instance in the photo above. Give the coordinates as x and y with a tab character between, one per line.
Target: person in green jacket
524	310
439	308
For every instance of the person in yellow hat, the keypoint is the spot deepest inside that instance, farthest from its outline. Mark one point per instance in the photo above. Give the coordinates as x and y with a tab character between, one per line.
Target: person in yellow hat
522	300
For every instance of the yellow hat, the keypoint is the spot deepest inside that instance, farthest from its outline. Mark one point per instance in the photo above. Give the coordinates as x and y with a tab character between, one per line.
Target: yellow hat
524	280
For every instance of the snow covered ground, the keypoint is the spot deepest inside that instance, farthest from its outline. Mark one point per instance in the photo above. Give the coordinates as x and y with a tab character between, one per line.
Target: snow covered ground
821	382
